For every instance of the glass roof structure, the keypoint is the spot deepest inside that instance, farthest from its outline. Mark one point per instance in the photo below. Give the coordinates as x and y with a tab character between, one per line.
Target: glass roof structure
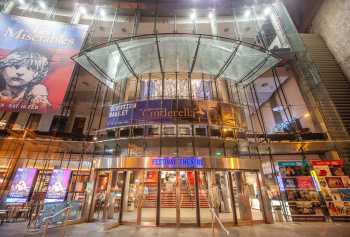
162	53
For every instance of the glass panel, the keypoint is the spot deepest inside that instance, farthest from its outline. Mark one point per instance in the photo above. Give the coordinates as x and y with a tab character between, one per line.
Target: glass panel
245	60
182	87
108	60
203	191
254	195
177	53
247	196
187	197
83	62
197	89
133	195
224	195
114	197
149	204
168	196
170	88
155	88
100	195
139	51
212	55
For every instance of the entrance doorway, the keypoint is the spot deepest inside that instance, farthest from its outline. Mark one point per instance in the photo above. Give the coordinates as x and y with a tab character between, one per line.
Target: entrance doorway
178	197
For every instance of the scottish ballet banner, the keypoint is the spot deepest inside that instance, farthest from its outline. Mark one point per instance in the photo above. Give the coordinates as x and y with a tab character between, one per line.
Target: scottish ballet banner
22	185
172	111
35	62
58	185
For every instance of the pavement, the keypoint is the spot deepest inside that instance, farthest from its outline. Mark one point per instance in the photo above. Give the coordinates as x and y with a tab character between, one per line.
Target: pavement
311	229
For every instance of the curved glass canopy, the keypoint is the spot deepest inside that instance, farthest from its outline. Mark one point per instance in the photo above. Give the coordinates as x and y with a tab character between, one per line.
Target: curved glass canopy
191	53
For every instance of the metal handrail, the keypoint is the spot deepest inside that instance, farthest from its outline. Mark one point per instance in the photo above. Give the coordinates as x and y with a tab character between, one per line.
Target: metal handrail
56	214
46	223
212	210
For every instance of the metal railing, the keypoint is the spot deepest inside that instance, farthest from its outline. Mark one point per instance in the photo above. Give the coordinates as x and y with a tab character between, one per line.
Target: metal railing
217	218
65	221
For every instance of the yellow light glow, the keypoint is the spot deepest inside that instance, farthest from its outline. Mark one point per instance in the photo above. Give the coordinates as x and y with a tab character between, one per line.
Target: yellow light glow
307	115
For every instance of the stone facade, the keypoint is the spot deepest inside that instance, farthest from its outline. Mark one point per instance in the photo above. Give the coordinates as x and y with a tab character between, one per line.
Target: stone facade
332	22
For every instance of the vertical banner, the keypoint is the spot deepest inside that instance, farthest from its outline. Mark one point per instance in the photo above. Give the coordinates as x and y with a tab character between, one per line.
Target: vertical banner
22	185
58	185
35	62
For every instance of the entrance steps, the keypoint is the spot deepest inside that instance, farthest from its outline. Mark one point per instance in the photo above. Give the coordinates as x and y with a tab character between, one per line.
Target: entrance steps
168	198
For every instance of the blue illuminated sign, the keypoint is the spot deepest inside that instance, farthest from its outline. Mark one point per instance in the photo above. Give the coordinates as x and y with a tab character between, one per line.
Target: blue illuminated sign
178	162
280	183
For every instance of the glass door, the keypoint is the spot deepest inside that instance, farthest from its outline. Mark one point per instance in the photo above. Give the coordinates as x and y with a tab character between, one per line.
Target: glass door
149	204
107	195
187	197
169	197
247	197
177	197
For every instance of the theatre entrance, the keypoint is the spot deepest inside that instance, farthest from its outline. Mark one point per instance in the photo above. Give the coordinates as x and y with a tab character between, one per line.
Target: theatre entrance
177	197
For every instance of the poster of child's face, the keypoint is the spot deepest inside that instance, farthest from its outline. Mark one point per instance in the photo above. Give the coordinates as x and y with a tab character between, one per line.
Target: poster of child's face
35	64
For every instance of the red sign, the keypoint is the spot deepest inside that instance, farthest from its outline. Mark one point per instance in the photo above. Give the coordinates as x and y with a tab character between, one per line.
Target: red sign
327	162
305	182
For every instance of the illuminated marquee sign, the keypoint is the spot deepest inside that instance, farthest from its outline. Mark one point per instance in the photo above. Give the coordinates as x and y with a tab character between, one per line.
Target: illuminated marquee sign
178	162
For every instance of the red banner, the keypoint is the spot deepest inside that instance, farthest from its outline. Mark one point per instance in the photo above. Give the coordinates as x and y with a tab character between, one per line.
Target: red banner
327	162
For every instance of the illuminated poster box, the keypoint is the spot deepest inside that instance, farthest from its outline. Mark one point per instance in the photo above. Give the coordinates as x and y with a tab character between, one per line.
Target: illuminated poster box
22	185
58	185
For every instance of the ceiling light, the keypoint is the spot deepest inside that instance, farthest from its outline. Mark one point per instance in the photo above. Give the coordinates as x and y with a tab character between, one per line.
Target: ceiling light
247	13
211	15
267	11
22	2
307	115
102	12
42	5
193	15
82	10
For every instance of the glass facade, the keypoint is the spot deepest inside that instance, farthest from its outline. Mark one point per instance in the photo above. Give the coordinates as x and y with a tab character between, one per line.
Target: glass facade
174	115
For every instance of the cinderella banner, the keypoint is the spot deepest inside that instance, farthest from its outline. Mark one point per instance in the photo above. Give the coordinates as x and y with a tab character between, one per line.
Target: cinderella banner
172	111
35	62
